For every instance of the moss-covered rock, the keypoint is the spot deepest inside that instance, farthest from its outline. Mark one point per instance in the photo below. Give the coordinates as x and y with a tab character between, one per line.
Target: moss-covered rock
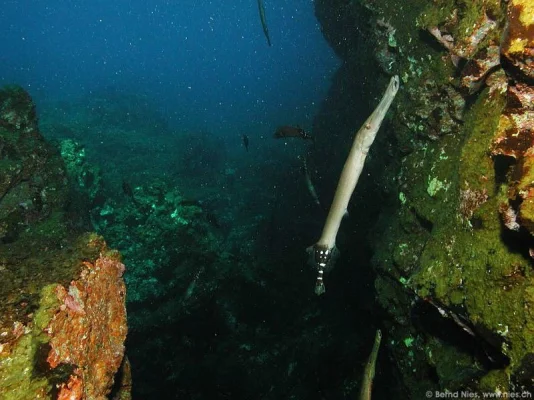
40	256
454	249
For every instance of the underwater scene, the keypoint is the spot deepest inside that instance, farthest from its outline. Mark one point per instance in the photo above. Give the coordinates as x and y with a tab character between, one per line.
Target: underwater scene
266	199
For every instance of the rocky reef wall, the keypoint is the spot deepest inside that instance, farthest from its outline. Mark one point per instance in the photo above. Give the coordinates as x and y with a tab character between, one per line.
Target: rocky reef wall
62	309
452	242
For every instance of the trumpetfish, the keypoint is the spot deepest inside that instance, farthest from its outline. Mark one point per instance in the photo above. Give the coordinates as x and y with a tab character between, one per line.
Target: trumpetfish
369	371
323	252
261	8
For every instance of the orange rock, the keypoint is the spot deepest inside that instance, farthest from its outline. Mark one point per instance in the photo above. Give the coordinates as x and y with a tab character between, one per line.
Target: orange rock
517	47
72	390
514	136
90	328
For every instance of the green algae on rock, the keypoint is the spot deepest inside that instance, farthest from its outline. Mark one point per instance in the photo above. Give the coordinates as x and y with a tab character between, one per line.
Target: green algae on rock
40	253
454	255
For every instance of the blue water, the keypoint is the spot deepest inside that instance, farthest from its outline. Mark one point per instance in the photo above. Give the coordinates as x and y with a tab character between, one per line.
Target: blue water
206	64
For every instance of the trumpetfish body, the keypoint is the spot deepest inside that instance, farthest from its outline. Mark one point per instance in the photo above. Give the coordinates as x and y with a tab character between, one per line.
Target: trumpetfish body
370	367
323	251
263	20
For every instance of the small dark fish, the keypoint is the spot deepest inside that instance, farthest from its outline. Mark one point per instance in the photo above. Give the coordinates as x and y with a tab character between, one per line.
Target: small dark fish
245	141
213	220
287	131
309	184
261	8
128	191
191	202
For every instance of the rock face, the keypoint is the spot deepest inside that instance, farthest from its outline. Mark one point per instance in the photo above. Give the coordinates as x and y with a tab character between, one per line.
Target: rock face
33	182
90	328
62	315
518	42
454	253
